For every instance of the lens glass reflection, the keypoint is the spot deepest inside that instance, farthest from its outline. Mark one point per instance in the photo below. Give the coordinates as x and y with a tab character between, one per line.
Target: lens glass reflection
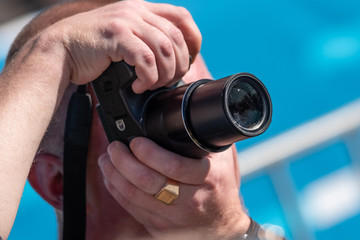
245	105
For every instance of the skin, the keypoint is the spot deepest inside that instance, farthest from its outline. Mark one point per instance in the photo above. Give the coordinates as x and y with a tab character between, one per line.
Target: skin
74	49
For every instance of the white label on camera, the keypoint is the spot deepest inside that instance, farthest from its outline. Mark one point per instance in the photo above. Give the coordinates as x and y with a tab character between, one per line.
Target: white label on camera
120	124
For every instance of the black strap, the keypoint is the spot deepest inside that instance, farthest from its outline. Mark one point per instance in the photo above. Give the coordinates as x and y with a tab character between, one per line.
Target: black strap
76	139
255	232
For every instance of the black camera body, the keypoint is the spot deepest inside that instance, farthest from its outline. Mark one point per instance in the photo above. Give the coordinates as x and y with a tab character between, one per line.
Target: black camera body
192	119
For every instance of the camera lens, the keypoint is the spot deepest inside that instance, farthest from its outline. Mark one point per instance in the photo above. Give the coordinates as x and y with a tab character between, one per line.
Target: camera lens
245	105
228	110
209	116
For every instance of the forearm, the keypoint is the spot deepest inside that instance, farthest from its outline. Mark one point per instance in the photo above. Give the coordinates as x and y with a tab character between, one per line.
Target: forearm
29	91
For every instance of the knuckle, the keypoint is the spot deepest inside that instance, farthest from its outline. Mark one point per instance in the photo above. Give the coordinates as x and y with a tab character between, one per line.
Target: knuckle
196	204
175	168
114	29
166	74
129	191
118	196
184	13
202	199
177	36
213	186
213	183
166	47
111	188
108	170
149	58
182	68
146	181
125	203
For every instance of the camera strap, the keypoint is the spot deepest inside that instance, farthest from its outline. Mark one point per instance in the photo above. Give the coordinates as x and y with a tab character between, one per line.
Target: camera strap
76	139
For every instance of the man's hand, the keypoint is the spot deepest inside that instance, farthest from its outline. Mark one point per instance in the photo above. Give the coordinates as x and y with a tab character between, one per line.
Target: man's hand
208	205
155	38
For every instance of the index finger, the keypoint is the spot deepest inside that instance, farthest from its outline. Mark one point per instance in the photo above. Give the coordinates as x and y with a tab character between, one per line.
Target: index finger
183	20
172	165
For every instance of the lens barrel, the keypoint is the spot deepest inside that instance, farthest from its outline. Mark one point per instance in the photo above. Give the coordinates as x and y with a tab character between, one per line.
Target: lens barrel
229	110
208	116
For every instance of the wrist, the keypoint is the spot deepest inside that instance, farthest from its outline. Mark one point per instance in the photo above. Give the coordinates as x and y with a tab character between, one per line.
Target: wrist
52	47
235	226
42	61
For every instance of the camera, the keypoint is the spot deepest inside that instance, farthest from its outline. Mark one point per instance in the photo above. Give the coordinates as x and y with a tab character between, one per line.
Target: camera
189	119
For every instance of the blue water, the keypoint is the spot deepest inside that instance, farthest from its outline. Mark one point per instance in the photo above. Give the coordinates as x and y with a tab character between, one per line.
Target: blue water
307	52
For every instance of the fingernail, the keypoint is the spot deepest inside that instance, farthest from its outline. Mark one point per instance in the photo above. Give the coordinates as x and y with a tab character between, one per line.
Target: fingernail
137	86
102	160
113	146
116	147
135	142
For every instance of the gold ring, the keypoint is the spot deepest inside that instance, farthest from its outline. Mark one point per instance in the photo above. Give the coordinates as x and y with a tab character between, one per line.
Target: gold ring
169	192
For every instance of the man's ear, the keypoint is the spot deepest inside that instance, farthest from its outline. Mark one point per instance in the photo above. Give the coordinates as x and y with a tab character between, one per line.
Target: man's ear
46	177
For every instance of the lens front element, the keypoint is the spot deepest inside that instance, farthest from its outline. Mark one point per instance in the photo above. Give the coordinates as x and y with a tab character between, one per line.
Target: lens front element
245	105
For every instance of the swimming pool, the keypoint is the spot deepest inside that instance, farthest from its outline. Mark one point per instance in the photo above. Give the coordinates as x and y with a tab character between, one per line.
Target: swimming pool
307	52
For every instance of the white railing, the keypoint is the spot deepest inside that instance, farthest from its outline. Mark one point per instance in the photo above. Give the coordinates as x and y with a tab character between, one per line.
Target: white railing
339	123
273	156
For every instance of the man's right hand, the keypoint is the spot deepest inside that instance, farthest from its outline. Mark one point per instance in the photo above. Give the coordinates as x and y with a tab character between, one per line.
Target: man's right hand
155	38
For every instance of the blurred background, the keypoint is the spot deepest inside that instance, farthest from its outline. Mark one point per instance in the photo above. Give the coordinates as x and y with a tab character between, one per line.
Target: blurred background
303	173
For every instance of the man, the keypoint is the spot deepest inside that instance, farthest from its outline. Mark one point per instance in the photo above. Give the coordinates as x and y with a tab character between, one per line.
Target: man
73	43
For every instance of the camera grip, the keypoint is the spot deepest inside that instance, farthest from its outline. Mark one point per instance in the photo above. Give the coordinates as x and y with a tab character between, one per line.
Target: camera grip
113	91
